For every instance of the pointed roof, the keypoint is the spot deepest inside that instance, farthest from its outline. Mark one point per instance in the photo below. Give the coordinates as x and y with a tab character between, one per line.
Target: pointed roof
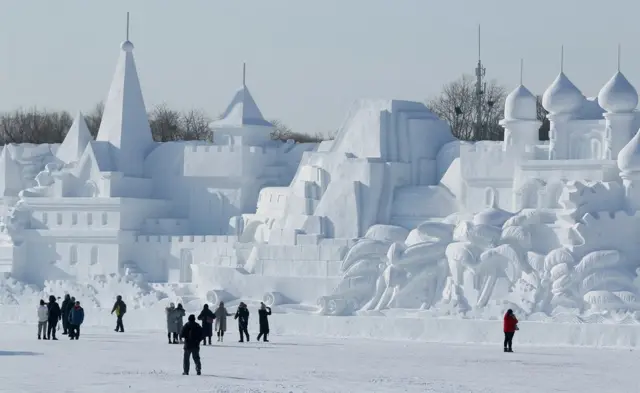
562	96
629	156
77	139
618	95
125	124
242	111
10	174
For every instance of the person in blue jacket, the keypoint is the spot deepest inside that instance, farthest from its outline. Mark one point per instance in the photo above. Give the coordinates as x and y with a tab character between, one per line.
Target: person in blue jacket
76	317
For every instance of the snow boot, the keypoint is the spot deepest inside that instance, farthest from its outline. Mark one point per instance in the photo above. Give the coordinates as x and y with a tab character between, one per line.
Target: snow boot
39	338
506	350
185	373
198	372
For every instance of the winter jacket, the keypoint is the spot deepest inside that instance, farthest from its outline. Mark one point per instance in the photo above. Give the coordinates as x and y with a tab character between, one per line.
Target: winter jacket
43	314
242	315
54	311
172	326
66	306
192	335
207	317
221	319
263	318
119	307
76	316
179	314
510	322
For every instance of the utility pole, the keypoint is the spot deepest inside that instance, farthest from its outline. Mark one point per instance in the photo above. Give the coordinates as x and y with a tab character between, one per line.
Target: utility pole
480	88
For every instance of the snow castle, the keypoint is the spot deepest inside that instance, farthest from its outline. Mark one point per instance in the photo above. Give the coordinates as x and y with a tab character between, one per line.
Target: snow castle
392	214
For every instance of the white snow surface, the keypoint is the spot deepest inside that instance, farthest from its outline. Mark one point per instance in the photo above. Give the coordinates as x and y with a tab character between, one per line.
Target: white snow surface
103	361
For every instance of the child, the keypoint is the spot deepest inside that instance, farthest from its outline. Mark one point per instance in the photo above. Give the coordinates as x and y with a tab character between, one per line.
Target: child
43	317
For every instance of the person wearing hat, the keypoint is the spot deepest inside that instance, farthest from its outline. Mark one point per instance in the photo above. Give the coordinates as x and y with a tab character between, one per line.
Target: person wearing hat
192	335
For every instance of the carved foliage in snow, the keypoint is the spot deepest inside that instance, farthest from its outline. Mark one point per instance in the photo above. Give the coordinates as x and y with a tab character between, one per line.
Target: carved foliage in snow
578	199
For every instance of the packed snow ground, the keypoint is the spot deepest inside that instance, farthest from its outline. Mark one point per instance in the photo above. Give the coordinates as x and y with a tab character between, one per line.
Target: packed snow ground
142	361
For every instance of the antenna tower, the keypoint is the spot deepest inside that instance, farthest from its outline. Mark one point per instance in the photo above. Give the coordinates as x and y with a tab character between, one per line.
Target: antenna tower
479	96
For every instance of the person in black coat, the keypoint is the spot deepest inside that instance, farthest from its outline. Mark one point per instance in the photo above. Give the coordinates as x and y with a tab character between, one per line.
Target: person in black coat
120	308
206	316
192	335
242	315
263	318
54	316
65	309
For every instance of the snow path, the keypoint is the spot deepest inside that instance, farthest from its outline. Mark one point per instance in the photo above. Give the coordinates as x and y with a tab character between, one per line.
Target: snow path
105	361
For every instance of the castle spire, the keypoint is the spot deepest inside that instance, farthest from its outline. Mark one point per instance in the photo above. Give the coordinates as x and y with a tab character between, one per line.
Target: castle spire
75	142
125	124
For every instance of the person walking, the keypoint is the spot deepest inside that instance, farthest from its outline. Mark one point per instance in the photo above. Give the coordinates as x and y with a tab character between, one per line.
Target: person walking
172	327
207	317
510	326
242	315
221	321
263	319
179	315
54	316
43	317
120	308
191	334
65	309
76	317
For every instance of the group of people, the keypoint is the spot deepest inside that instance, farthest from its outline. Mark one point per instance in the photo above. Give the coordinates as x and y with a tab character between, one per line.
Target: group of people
49	314
192	334
71	314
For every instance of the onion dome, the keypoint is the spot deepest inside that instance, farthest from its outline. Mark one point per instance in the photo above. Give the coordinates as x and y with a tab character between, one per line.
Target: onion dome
618	95
520	104
562	96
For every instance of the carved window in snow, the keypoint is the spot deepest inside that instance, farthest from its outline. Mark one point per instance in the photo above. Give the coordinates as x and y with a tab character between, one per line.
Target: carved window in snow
94	255
59	218
45	218
89	218
73	255
74	219
490	197
596	149
104	218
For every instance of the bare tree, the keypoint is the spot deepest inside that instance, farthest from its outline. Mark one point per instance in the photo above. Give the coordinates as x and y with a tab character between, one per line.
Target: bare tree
282	132
94	118
457	105
195	125
34	126
165	124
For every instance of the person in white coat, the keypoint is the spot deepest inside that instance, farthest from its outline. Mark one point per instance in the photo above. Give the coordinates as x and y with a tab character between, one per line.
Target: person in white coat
221	314
43	317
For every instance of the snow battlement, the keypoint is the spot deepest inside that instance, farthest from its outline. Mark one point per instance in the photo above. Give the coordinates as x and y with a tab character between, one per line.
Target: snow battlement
162	239
227	160
487	160
230	149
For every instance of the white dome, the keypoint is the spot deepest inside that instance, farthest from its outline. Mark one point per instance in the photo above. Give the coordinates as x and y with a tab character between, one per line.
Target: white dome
618	95
520	104
629	156
127	46
562	96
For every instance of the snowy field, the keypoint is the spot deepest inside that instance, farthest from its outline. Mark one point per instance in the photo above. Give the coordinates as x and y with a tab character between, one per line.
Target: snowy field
104	361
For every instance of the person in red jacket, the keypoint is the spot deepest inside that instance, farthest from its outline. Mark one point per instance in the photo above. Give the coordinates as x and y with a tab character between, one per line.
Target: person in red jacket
510	327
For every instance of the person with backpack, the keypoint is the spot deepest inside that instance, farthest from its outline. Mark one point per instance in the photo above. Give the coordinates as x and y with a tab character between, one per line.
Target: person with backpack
510	326
120	308
207	317
263	319
54	316
43	317
242	315
65	309
76	317
192	335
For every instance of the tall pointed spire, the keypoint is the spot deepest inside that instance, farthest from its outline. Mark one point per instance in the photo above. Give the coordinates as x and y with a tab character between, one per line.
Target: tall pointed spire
618	57
562	59
75	142
521	70
243	110
244	74
125	124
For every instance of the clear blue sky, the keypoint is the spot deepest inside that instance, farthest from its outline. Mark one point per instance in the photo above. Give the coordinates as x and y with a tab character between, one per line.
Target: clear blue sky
306	60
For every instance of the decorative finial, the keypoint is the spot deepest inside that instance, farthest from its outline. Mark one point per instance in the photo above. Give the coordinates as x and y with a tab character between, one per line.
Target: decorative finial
521	70
562	58
479	42
244	74
126	45
618	57
127	26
